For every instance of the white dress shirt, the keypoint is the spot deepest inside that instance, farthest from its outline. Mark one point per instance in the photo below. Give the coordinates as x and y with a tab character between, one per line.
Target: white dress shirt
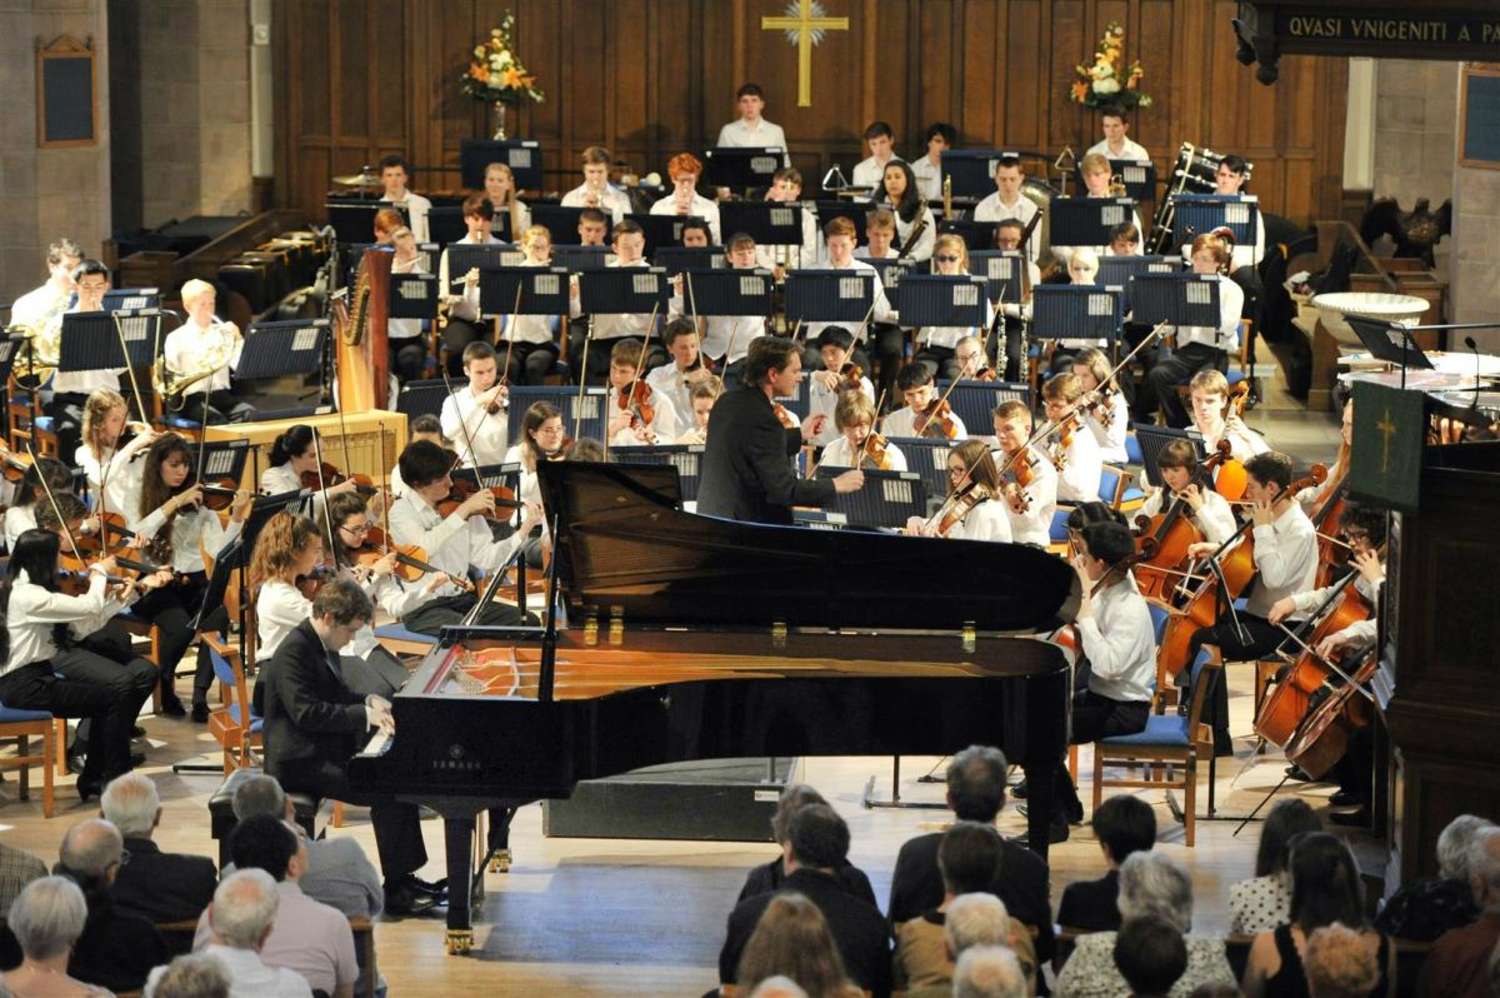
1286	558
18	520
903	423
84	382
464	419
1244	443
191	347
922	248
189	529
840	455
723	335
1362	633
280	608
947	337
40	306
664	422
116	474
985	522
417	208
992	209
666	380
701	206
929	178
1226	336
1129	149
870	172
821	400
614	201
616	325
466	303
1035	525
1214	519
740	134
882	313
1083	466
1120	643
33	610
249	976
453	544
528	328
1111	438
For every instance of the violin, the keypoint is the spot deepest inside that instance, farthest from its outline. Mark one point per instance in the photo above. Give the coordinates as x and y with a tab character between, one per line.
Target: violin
964	500
76	582
985	374
852	375
874	449
461	489
1062	439
1103	406
637	402
411	560
783	416
1018	476
936	420
327	476
309	584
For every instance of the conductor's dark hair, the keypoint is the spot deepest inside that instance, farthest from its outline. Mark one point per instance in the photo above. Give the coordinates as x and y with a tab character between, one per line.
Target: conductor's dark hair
976	783
767	353
1088	513
913	376
818	836
794	798
1111	543
1288	819
89	267
947	131
878	128
749	90
1271	467
1325	883
1125	824
1235	164
1150	954
834	336
395	159
293	443
263	842
424	462
969	857
345	602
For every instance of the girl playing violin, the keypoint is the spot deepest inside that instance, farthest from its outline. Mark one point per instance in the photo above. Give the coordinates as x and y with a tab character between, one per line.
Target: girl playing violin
21	516
1183	478
647	416
1071	448
1107	414
839	375
294	454
854	415
542	438
1216	416
937	344
1028	480
915	419
113	471
968	354
176	529
703	397
974	510
534	350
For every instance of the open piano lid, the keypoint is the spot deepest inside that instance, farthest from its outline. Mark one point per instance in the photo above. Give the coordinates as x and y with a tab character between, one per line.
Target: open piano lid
621	541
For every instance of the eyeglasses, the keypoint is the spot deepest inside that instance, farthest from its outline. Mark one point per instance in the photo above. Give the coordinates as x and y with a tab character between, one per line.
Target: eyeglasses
355	528
946	258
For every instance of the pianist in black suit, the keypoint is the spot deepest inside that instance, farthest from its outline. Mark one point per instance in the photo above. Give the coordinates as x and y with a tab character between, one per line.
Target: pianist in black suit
747	472
976	792
819	844
314	723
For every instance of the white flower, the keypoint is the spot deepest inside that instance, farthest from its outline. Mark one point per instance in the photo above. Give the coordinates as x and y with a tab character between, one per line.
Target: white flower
1108	86
479	51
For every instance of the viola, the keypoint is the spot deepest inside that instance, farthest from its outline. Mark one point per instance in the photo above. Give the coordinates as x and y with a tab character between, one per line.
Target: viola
327	476
1283	711
936	420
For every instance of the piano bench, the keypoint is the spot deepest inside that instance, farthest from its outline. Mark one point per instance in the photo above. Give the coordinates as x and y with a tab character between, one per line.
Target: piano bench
221	809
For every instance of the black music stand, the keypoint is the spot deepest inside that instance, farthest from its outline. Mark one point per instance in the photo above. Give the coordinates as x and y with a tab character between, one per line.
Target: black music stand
1390	342
1176	299
676	259
413	296
523	291
769	223
975	401
686	458
728	292
927	457
887	499
1119	271
91	341
353	221
523	156
742	168
117	299
1075	312
854	211
445	224
579	258
1153	438
568	401
1081	221
973	170
1138	175
422	398
977	236
281	349
829	295
943	300
1199	213
892	273
464	257
561	221
1003	271
624	291
663	230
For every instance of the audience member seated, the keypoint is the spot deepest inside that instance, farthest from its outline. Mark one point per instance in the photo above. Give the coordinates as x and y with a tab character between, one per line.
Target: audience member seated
158	886
1264	902
1460	961
1425	909
46	920
337	873
17	869
976	792
967	857
193	975
1151	955
1151	883
818	842
782	986
979	920
1339	964
1325	889
309	937
242	916
989	972
792	942
768	876
116	950
1123	825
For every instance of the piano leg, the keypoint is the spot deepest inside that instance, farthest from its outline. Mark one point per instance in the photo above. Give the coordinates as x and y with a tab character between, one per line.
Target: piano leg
458	836
1040	795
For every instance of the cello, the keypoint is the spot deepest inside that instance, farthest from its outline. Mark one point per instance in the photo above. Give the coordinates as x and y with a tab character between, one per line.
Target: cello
1230	480
1287	706
1173	532
1322	738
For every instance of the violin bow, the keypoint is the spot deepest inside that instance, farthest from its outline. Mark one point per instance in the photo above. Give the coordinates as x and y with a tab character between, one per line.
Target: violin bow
462	422
135	387
1325	663
583	382
965	482
52	501
510	346
333	547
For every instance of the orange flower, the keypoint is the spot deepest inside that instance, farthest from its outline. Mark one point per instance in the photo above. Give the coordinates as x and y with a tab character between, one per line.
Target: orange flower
512	79
1080	91
480	73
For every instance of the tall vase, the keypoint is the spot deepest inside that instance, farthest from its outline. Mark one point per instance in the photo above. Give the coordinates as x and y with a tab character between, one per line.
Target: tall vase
498	112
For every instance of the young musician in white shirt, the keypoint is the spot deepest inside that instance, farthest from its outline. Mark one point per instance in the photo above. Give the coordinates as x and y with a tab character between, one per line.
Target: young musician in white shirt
1008	202
465	323
1095	171
919	394
928	169
1108	418
1124	240
408	350
916	229
206	343
979	514
854	421
786	187
839	241
454	543
629	424
1215	418
1116	144
424	427
1008	236
529	343
113	471
395	174
294	453
970	362
71	389
1116	635
936	344
542	435
478	434
684	169
593	227
596	191
880	237
1286	563
630	247
31	494
750	130
675	379
1230	179
1030	506
701	404
826	387
726	338
38	306
881	142
1183	478
1078	463
1196	348
511	217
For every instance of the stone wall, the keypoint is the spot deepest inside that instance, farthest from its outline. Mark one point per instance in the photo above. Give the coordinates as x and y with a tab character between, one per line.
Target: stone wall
1416	116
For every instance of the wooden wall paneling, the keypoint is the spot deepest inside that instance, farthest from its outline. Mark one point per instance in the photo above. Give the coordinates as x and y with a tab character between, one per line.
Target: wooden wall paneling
1157	31
980	62
1067	123
1021	120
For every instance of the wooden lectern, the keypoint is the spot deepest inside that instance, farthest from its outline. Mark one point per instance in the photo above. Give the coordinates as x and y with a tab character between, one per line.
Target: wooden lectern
363	357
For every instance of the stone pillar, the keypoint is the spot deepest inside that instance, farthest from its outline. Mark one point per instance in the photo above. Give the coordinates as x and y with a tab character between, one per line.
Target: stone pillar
1475	289
1414	127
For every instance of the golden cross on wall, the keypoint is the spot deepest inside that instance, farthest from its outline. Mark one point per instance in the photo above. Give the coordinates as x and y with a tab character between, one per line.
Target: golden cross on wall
802	20
1386	428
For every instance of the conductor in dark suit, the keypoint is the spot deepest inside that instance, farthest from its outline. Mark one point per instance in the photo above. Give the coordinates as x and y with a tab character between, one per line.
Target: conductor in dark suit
747	471
314	723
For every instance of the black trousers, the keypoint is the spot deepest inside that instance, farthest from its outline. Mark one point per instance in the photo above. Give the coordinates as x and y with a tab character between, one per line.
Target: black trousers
1177	368
886	345
398	826
1096	717
66	410
939	360
1015	345
1260	638
37	687
431	617
408	358
107	658
172	609
530	363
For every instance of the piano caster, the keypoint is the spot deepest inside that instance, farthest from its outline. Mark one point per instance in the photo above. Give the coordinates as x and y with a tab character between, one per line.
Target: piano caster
500	861
460	942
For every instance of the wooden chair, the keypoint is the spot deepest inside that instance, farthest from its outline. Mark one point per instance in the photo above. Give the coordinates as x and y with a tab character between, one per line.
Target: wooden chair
178	936
364	952
1170	745
234	725
23	407
22	725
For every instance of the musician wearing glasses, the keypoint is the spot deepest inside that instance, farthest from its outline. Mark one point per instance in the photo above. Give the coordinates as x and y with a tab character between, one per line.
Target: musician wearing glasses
1009	203
1116	144
916	230
1198	348
936	344
71	388
974	504
1074	452
200	354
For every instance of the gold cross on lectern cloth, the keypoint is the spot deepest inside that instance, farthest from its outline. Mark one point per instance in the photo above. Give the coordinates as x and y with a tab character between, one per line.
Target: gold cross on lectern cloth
804	22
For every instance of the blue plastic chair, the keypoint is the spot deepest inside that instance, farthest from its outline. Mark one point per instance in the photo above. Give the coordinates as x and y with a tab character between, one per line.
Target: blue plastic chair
228	724
1133	450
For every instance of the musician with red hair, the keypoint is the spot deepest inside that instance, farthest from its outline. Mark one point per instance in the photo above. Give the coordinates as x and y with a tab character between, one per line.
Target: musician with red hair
685	169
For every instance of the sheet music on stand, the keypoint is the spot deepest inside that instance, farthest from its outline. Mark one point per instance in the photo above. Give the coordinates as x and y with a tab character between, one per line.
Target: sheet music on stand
445	224
728	292
819	519
561	222
90	341
663	230
353	219
943	300
1003	272
575	259
543	291
422	398
1199	213
1138	175
927	457
1081	221
523	156
1120	271
854	210
464	257
887	499
973	170
769	223
1153	438
676	259
279	349
413	296
829	295
624	291
119	299
567	401
975	401
686	458
1176	299
977	236
742	167
508	475
1071	312
432	257
892	274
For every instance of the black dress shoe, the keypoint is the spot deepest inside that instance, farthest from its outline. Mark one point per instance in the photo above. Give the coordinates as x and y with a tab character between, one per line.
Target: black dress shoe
1345	798
437	888
76	761
403	901
171	705
1296	773
89	787
200	713
137	759
1351	819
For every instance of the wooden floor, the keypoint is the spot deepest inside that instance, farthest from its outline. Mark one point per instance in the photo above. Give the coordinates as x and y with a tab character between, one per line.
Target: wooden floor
606	917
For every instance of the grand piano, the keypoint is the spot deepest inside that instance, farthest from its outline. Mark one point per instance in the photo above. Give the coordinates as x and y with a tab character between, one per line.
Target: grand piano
674	637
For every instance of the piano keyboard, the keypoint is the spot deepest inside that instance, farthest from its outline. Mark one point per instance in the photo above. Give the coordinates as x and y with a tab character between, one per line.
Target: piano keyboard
378	745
